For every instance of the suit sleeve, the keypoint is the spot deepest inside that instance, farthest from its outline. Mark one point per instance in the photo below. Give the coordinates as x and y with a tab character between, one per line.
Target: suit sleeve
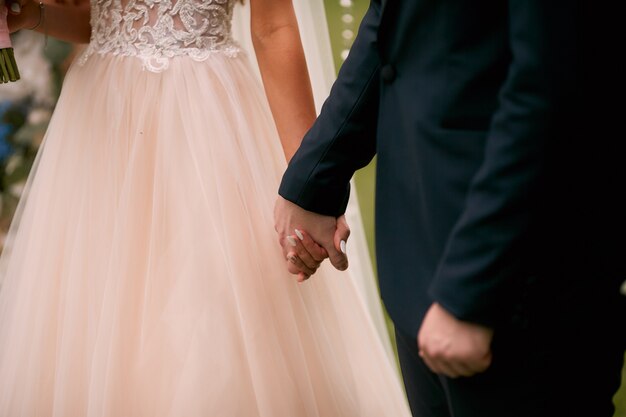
482	255
343	139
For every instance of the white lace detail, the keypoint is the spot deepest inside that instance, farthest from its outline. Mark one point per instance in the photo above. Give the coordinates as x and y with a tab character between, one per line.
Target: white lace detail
157	30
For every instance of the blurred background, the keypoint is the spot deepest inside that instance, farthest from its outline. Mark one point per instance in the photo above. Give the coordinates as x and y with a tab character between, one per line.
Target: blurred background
26	108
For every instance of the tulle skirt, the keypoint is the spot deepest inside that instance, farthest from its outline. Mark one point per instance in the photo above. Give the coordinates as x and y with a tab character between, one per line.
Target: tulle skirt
142	276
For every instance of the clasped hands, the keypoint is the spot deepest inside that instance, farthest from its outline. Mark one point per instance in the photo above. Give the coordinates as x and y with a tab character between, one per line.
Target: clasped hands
308	238
448	346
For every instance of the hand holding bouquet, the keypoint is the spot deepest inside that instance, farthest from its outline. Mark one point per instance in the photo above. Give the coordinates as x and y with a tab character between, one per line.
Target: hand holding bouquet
8	67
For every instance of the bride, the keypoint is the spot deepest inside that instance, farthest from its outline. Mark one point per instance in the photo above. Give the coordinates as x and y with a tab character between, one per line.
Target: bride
141	277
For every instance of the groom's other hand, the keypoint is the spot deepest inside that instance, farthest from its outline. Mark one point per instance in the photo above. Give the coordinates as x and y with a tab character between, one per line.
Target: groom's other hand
453	347
328	232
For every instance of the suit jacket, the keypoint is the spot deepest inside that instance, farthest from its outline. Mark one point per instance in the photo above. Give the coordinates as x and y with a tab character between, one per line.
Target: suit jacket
486	201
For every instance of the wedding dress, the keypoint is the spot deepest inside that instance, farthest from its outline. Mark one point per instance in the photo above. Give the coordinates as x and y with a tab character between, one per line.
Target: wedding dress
141	276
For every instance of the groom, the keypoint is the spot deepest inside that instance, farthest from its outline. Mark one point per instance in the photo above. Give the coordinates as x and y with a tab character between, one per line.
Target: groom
499	231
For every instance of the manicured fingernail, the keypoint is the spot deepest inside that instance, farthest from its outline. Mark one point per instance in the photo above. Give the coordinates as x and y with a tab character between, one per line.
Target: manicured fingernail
292	259
15	8
299	234
342	245
292	241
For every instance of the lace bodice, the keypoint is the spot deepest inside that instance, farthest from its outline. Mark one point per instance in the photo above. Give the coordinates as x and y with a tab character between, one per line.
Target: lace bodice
157	30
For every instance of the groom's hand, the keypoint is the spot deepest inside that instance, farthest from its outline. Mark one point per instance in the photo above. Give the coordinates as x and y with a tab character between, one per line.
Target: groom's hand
311	229
453	347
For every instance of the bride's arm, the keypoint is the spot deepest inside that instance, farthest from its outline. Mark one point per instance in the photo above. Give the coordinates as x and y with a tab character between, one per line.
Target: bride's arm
283	68
69	23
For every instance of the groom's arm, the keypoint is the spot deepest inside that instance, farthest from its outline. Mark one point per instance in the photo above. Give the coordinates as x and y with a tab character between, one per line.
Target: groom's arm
343	139
482	256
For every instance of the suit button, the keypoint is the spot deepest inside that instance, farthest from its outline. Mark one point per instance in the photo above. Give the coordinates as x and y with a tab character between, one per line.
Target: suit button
388	73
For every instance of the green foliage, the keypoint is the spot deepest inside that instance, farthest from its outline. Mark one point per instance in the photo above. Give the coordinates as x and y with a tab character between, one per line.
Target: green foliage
620	397
22	126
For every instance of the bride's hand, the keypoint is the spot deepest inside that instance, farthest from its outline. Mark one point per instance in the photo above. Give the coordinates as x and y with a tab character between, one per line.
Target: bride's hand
304	256
23	14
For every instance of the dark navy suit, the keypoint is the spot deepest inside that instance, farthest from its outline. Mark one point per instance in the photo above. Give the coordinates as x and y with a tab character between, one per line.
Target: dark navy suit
487	200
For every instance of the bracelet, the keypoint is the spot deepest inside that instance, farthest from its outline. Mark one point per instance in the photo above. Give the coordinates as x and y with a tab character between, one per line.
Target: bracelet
42	15
42	22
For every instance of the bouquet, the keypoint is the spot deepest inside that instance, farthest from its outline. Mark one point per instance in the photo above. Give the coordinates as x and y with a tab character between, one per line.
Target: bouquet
8	67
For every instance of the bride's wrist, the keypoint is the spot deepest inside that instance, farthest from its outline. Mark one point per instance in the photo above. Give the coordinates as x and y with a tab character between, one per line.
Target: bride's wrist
32	15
